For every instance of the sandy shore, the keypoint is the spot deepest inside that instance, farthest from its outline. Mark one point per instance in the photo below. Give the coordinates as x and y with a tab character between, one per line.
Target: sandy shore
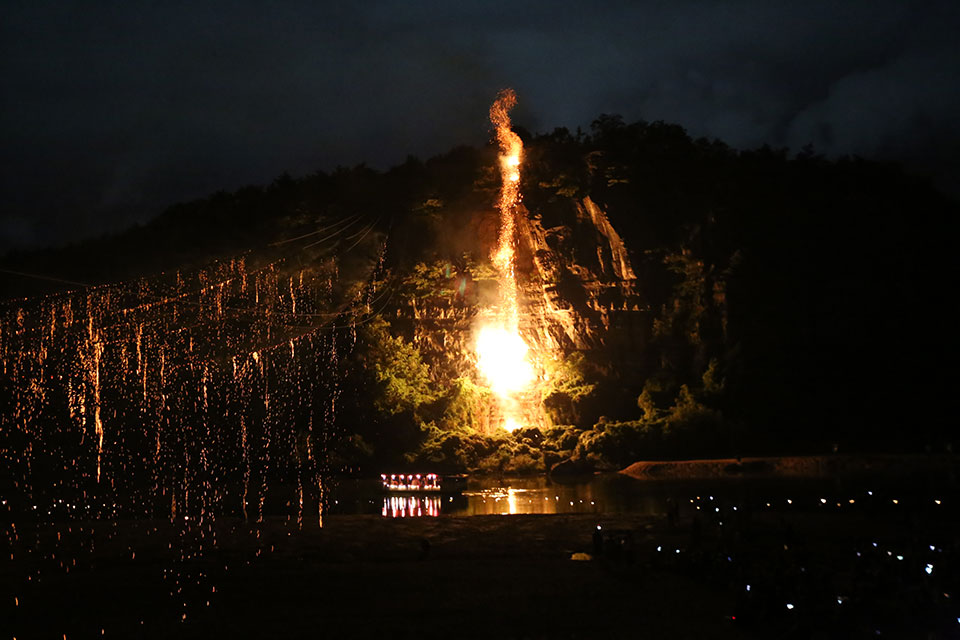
365	576
798	467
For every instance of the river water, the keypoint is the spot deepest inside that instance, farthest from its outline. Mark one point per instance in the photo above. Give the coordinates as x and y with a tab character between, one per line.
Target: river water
616	493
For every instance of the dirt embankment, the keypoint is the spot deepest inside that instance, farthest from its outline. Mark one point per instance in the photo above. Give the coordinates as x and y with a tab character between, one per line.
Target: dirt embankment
796	466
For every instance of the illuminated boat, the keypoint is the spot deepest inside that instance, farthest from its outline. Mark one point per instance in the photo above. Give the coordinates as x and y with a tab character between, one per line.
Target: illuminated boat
422	483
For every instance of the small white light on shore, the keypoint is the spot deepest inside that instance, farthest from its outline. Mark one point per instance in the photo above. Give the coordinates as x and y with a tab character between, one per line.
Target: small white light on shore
748	587
789	606
929	569
823	501
659	548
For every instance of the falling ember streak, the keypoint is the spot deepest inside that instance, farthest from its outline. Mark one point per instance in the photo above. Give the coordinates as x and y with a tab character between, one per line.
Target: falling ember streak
511	148
246	469
502	353
95	375
320	492
177	384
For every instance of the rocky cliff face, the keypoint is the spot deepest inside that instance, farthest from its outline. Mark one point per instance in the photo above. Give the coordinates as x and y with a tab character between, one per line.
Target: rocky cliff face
576	284
575	276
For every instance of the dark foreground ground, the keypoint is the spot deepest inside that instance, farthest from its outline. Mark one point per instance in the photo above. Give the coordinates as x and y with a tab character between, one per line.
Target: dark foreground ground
824	569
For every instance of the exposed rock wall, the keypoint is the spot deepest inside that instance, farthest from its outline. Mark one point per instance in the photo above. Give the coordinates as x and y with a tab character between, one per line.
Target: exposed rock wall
576	282
574	276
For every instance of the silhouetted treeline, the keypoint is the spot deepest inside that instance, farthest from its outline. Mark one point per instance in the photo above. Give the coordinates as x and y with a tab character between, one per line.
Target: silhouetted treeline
821	288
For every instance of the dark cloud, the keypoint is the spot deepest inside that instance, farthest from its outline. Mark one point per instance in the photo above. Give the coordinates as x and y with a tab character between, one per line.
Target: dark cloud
111	110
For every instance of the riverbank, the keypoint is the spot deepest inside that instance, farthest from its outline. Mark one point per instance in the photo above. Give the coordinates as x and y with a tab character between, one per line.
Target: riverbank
822	466
843	564
359	577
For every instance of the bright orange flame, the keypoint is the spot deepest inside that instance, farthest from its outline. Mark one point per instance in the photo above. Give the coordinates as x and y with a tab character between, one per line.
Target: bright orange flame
503	360
502	353
511	425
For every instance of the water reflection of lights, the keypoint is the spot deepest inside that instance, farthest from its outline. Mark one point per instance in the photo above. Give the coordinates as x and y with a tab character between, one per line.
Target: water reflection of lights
515	500
410	506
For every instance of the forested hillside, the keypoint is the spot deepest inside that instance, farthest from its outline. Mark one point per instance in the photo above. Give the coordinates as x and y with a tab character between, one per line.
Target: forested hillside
774	303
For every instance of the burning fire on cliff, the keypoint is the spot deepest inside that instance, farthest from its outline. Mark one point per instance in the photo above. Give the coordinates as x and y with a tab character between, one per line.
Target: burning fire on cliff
502	354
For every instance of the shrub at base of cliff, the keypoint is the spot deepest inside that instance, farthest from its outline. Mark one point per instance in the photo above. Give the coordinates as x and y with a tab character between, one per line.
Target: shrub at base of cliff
561	438
446	451
451	451
572	398
694	428
688	429
393	391
512	457
610	445
464	406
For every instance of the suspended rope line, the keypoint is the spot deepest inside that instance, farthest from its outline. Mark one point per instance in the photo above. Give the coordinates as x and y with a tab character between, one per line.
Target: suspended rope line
332	235
37	276
369	229
313	233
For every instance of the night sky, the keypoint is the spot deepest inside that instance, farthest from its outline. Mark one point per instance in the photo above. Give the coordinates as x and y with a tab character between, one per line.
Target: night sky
112	110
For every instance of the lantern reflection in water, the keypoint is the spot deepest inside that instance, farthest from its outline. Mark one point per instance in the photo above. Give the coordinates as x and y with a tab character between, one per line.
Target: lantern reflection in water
410	506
